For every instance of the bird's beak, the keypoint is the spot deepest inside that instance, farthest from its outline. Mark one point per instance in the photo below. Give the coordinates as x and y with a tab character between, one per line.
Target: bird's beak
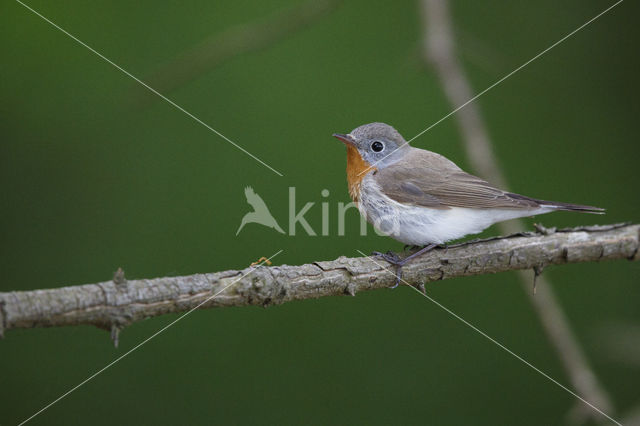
346	139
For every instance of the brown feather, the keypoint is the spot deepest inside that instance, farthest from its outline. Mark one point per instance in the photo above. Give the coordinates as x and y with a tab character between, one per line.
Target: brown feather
427	179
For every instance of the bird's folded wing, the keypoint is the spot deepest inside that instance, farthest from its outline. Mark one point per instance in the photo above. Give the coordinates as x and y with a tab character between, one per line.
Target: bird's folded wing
430	180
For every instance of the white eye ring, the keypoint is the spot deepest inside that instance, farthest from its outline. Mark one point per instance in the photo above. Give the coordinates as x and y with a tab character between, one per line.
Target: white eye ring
377	146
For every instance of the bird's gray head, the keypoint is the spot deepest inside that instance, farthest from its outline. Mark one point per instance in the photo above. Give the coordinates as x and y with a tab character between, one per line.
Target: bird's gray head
375	143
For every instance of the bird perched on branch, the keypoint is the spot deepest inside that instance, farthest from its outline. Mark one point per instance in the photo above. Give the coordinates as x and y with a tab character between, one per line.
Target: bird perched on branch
421	198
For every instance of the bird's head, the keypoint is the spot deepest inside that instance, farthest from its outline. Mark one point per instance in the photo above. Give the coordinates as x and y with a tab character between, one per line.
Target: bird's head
377	143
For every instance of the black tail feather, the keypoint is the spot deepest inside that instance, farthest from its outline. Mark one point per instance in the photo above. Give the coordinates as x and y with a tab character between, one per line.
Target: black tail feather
571	207
558	205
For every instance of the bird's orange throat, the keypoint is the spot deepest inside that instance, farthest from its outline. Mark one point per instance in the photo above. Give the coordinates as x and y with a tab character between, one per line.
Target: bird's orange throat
357	169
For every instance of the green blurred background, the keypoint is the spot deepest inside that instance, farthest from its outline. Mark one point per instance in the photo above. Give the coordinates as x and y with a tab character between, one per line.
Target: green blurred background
94	179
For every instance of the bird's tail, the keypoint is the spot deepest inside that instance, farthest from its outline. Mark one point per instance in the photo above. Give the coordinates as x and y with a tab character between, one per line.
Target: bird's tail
571	207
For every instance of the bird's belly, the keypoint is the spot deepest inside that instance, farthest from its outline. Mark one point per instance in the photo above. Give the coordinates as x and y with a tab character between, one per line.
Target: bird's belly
417	225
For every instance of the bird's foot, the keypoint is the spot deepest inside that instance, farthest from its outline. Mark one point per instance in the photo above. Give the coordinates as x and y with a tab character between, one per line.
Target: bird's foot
395	260
390	257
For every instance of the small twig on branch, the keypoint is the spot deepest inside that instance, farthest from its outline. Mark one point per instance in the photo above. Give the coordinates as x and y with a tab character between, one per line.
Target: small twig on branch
440	51
114	305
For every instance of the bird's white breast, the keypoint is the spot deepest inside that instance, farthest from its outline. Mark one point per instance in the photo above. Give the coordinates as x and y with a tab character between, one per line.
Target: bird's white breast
417	225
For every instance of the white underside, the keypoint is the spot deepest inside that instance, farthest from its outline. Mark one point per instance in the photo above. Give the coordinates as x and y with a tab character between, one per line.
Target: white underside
421	225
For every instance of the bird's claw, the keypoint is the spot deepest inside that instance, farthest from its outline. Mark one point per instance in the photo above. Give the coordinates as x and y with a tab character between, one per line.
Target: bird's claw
398	276
393	259
390	257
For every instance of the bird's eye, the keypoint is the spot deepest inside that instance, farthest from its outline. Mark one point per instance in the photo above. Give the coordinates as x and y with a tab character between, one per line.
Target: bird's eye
377	146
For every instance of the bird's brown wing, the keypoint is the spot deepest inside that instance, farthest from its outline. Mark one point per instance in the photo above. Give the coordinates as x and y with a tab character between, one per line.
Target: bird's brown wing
427	179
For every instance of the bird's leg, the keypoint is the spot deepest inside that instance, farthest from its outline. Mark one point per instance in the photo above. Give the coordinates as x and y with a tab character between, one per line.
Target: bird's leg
423	250
393	259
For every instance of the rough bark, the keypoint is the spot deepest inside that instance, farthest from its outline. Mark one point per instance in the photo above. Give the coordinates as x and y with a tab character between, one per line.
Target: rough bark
115	304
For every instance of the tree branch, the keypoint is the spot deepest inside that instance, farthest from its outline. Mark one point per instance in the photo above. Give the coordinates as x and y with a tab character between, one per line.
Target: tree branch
112	305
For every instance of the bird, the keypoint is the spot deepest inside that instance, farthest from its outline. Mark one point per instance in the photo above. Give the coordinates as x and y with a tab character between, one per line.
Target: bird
421	198
260	213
